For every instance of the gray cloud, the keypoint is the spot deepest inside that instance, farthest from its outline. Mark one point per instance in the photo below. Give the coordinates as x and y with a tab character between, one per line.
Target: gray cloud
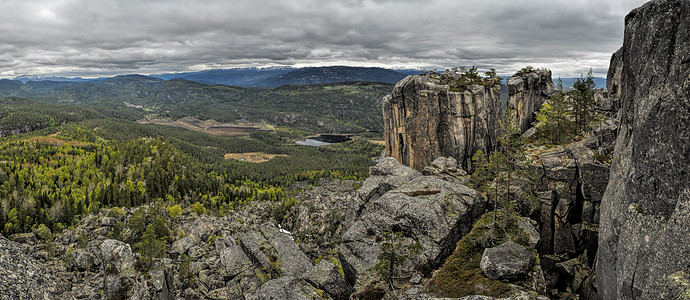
107	37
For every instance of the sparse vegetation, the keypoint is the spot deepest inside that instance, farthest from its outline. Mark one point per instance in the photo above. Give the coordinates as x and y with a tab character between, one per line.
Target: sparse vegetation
463	76
525	70
495	173
393	255
461	275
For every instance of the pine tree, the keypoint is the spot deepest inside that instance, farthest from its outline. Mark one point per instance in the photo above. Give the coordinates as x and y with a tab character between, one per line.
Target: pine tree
394	255
582	97
502	165
554	116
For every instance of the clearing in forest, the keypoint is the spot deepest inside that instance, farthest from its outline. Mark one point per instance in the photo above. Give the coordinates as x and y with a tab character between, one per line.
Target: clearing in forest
254	157
212	127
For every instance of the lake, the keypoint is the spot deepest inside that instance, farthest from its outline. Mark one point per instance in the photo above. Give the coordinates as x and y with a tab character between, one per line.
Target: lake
325	139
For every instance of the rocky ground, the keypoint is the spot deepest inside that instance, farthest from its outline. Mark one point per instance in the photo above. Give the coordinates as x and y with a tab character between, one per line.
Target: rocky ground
336	239
322	244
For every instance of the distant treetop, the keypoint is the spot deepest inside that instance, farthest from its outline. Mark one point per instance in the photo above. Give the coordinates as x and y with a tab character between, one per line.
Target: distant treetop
528	69
458	77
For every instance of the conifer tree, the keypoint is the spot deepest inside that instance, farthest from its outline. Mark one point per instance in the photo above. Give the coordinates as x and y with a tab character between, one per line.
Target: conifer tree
394	255
582	97
495	172
554	116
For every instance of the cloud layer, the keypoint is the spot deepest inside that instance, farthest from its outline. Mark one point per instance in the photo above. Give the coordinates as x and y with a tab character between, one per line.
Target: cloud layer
108	37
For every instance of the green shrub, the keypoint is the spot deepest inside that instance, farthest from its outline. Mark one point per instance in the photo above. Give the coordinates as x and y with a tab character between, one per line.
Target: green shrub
393	255
174	211
44	234
185	272
116	212
69	255
525	70
82	240
198	208
160	228
116	233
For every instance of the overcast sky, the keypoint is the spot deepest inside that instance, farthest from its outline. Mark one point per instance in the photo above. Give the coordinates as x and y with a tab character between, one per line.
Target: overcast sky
94	38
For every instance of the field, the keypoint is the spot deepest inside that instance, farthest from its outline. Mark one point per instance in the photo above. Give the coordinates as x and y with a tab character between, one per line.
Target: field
213	127
52	140
254	157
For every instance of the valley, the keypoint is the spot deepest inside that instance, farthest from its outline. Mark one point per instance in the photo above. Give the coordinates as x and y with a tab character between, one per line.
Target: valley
250	165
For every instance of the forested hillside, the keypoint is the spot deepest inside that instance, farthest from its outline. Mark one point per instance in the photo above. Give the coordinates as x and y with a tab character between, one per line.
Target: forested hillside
337	107
67	161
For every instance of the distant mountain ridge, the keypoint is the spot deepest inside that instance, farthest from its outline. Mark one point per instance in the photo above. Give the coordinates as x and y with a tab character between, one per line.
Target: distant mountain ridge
27	78
265	77
318	75
277	76
569	81
343	107
244	77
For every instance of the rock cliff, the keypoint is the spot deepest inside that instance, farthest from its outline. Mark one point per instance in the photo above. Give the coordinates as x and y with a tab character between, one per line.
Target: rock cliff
526	93
645	213
613	79
424	119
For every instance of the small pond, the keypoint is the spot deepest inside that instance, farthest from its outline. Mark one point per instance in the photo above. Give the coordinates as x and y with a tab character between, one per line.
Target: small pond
325	139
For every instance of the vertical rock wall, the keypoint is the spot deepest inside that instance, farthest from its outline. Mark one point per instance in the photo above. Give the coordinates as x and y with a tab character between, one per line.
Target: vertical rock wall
424	119
644	251
613	79
526	93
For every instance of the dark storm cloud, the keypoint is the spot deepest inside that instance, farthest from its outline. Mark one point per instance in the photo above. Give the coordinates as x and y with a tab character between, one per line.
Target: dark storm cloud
92	38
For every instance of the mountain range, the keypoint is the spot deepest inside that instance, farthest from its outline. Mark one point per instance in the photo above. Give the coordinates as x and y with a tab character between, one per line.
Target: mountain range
277	76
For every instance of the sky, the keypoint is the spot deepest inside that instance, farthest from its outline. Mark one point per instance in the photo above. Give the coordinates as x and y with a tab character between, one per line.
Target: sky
92	38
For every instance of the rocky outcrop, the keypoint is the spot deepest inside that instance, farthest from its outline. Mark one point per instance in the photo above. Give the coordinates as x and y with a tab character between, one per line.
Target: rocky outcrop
570	195
288	288
23	277
427	210
526	93
509	261
16	131
645	214
424	119
613	79
326	276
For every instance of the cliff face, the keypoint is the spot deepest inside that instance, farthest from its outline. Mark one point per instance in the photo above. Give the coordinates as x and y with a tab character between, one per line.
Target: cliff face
527	92
424	119
613	78
645	214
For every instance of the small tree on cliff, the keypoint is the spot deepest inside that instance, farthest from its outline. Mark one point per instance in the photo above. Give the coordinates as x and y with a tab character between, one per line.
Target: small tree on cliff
487	175
394	255
502	165
492	76
525	70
